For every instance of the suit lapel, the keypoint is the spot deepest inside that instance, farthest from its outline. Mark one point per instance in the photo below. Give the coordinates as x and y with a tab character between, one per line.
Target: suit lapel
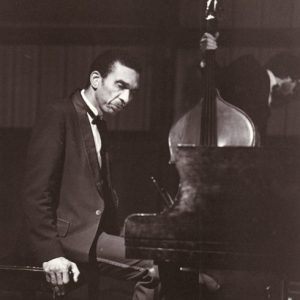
87	136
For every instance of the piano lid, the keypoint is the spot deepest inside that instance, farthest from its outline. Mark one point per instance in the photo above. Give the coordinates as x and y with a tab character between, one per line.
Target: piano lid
240	202
230	193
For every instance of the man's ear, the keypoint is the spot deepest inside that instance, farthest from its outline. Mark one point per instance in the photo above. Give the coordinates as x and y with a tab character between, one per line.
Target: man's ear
95	79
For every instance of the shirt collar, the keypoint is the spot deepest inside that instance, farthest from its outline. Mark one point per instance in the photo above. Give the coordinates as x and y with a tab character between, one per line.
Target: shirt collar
272	77
88	103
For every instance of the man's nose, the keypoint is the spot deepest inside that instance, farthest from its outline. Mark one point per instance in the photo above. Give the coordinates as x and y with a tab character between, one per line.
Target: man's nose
125	96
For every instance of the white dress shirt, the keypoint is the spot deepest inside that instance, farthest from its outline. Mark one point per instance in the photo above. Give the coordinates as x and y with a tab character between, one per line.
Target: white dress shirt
272	84
96	134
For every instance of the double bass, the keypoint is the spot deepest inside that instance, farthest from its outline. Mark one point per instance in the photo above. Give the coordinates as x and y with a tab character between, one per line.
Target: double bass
213	121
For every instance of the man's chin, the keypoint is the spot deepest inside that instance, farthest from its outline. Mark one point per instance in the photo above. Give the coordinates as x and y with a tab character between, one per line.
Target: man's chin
111	111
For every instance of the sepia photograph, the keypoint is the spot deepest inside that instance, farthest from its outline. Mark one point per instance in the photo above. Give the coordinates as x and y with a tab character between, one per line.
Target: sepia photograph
150	149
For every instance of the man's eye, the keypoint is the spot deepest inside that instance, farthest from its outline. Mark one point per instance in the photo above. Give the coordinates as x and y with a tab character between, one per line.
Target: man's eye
120	86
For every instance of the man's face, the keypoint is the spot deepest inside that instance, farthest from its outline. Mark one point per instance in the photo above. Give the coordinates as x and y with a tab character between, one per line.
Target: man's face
116	90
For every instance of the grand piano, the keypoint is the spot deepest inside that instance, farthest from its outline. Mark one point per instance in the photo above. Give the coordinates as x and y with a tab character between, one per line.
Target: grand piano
238	208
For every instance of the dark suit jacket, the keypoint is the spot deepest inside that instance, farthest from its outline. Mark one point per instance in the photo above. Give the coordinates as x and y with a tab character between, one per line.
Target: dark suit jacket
63	190
246	84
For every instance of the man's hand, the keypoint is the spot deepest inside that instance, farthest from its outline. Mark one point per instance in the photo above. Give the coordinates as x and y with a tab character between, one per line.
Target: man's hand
208	42
58	272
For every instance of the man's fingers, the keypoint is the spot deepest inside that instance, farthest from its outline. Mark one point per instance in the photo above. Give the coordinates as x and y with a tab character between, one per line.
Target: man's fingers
65	277
58	272
210	36
75	271
207	35
48	278
53	278
209	42
59	278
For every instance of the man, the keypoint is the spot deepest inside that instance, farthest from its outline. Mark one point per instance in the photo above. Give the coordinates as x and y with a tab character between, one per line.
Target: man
252	87
69	202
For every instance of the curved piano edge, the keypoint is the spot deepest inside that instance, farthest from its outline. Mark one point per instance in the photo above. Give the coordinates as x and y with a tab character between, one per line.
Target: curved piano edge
133	220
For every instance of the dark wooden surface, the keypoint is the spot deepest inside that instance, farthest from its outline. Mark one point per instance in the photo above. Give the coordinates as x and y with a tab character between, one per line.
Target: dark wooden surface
238	210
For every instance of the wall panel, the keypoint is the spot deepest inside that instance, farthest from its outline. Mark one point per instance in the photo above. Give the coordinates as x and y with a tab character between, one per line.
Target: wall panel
292	118
7	79
81	11
52	74
77	62
186	81
190	13
19	72
227	19
277	13
295	14
25	92
247	14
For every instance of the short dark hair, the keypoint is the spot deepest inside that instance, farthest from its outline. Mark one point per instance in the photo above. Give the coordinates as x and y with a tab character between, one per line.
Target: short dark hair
103	62
284	64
